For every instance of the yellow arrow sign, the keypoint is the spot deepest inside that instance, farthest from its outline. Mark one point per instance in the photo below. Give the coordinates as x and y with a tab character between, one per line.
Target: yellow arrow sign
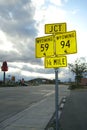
55	62
44	46
66	43
55	28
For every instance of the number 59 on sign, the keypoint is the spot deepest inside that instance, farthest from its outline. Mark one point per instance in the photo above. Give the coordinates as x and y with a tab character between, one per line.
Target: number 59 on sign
44	46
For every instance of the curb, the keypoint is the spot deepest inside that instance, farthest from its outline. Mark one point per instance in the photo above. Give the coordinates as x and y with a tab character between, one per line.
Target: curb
52	122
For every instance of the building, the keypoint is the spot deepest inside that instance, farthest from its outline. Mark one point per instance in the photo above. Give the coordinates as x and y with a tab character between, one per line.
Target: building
83	81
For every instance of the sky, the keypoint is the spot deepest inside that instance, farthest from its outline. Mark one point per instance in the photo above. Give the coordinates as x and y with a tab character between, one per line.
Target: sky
21	21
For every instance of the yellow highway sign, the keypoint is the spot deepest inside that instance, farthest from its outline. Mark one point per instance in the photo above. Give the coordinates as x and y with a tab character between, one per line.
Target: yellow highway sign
55	62
55	28
66	43
44	46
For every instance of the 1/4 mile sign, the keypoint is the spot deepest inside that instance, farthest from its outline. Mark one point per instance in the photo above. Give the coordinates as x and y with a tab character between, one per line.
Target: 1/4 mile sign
55	62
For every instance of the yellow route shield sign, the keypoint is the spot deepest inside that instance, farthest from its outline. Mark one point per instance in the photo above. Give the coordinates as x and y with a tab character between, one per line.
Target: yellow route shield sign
44	46
55	28
55	62
66	43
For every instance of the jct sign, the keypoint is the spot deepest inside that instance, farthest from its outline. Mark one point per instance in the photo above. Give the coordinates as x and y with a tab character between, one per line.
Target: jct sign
55	28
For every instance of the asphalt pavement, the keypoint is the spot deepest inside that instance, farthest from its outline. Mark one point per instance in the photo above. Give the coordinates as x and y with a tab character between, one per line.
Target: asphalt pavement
33	118
37	115
74	113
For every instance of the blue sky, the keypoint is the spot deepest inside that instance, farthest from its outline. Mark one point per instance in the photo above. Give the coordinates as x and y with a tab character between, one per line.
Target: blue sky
21	21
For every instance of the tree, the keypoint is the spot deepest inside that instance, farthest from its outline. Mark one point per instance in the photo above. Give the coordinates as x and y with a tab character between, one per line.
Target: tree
79	68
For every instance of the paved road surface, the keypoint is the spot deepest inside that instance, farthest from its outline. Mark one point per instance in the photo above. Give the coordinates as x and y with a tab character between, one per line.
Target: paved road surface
74	114
16	99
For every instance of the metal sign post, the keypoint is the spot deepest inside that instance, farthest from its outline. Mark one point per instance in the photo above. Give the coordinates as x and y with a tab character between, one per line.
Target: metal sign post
56	97
51	47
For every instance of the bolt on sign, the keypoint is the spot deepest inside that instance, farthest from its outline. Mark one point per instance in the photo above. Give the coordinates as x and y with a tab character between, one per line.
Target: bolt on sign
55	28
66	43
44	46
55	62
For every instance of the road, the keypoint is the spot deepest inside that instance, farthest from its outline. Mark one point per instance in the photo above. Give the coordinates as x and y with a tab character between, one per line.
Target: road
16	99
74	114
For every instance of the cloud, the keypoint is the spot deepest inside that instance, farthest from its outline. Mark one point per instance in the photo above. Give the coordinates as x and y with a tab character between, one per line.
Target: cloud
21	21
10	2
57	2
49	12
17	18
18	31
